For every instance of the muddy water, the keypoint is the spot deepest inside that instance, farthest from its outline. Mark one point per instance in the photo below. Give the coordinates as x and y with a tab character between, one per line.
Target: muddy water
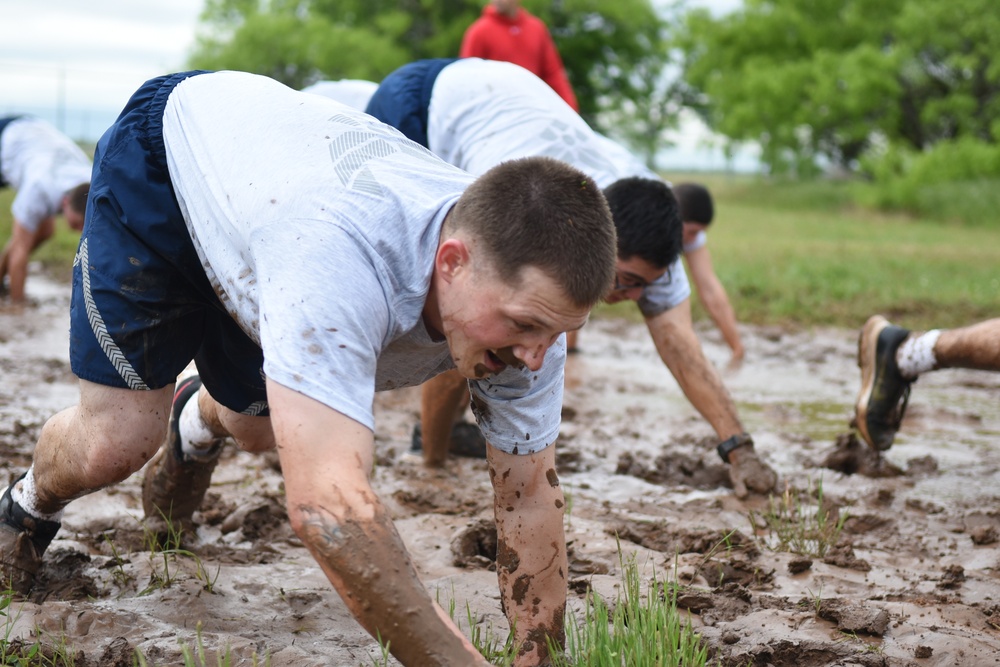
914	579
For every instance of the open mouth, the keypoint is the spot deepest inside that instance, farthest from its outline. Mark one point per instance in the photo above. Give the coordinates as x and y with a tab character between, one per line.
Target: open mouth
508	358
494	362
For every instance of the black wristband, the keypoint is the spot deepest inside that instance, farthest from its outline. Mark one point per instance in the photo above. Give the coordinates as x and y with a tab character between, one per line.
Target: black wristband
734	442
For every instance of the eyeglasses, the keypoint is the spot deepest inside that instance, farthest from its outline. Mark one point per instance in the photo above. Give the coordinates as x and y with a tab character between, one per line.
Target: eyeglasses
629	281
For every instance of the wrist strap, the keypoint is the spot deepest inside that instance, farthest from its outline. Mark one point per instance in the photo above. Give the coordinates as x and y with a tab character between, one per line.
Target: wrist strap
731	443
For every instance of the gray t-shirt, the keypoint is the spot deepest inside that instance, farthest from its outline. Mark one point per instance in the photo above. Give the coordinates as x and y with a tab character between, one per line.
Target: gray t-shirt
318	226
483	112
42	164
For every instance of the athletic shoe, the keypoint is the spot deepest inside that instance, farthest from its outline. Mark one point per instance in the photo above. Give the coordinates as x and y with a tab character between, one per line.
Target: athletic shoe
174	485
23	540
884	392
466	440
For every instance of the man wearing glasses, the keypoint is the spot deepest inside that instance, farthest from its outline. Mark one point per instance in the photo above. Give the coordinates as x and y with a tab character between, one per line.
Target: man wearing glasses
476	114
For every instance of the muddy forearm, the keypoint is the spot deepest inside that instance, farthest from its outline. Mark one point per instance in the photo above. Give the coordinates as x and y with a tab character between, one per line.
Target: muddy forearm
531	554
702	385
681	351
17	272
367	563
721	311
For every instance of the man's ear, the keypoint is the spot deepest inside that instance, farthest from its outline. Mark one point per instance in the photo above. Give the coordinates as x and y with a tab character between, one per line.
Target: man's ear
452	256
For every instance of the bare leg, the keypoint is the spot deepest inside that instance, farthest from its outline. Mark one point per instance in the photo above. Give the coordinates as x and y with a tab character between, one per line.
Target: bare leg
976	346
441	399
252	434
101	441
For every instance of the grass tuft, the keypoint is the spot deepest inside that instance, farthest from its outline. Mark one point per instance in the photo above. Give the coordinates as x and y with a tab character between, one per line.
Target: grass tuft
798	522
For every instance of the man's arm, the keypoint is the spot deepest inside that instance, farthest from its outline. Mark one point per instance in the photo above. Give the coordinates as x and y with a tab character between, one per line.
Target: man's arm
681	351
531	549
16	254
325	460
713	296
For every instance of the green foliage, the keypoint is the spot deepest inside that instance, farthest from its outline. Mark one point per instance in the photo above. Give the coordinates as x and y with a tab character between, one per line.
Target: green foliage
953	181
825	79
615	53
299	51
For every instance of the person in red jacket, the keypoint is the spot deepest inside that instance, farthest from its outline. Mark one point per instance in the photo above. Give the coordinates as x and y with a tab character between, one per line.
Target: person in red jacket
510	33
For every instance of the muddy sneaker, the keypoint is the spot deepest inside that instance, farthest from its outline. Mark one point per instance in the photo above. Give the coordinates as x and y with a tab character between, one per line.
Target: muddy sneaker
23	540
175	485
884	392
466	440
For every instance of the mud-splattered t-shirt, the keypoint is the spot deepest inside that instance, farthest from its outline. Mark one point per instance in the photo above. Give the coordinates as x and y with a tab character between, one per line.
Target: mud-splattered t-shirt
318	227
42	164
484	112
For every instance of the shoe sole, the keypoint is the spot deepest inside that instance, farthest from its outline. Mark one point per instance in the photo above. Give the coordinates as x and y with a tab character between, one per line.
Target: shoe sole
867	357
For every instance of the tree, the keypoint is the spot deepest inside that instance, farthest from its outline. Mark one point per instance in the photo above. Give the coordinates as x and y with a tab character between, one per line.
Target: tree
812	79
613	51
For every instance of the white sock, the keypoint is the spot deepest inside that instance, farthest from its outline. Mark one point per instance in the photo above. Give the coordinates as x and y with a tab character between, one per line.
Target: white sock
916	354
24	495
197	439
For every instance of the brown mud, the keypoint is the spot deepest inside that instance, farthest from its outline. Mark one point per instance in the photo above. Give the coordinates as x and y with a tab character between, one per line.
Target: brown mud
914	578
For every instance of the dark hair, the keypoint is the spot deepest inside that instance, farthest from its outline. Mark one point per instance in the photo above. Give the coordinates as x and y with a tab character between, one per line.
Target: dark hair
695	202
647	220
541	212
78	198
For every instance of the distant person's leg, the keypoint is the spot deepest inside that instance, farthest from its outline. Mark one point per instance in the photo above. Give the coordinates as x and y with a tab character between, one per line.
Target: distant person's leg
891	358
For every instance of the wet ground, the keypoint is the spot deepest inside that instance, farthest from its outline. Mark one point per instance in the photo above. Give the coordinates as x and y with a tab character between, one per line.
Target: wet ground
911	579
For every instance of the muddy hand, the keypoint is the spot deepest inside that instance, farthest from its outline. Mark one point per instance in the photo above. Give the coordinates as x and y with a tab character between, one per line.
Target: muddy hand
735	363
748	473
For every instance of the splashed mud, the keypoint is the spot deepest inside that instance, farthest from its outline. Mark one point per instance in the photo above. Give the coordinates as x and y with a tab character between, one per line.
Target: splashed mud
912	580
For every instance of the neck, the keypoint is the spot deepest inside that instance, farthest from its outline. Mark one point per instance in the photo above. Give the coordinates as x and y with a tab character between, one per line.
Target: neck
431	314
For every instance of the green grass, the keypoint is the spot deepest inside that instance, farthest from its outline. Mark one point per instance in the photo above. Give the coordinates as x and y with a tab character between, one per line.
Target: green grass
798	522
643	628
800	253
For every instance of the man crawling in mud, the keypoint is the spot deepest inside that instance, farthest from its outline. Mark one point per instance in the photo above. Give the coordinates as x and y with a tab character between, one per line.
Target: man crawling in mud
305	256
476	114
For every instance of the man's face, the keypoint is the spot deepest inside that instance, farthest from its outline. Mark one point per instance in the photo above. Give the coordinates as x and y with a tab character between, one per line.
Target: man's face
73	217
506	7
490	324
631	276
691	230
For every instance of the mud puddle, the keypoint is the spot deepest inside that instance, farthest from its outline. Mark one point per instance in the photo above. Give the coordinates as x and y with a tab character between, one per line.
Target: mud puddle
912	580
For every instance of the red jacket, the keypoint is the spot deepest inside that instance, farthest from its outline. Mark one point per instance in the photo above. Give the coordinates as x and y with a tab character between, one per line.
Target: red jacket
523	40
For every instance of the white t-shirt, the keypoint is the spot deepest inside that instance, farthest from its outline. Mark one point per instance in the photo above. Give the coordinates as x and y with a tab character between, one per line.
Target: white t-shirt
317	225
699	242
483	112
42	164
355	93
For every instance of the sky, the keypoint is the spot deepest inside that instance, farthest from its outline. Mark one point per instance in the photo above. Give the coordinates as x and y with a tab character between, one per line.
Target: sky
76	63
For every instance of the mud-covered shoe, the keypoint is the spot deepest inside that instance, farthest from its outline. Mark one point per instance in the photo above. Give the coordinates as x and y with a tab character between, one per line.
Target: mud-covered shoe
23	540
174	484
884	392
466	440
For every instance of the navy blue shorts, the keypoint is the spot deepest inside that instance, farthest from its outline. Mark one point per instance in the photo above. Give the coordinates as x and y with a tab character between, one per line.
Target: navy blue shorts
403	97
142	307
